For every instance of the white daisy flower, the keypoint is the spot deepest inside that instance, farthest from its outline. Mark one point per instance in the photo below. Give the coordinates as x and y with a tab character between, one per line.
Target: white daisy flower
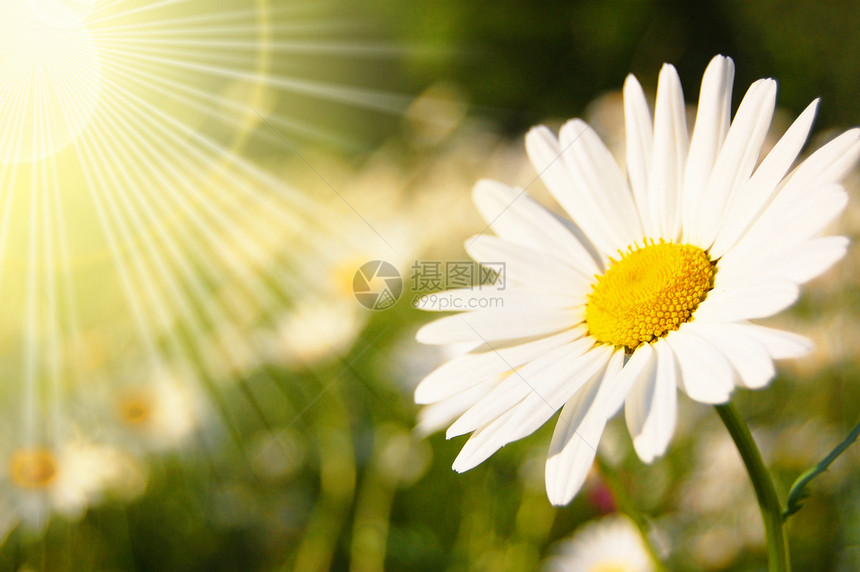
612	544
335	323
160	415
40	481
650	286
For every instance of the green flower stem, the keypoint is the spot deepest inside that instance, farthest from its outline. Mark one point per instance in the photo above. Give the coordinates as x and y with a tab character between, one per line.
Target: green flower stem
622	501
771	510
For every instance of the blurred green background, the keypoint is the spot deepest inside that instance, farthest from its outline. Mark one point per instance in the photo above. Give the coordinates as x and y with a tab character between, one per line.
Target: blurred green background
314	463
520	62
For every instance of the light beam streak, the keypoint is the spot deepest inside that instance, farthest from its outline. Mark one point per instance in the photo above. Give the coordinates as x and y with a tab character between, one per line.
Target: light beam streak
129	200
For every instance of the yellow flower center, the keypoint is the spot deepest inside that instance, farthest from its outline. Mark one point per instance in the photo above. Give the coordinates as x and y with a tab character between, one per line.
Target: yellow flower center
611	567
647	293
33	468
135	410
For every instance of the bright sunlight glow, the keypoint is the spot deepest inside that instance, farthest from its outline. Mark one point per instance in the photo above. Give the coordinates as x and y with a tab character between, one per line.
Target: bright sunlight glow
50	74
133	224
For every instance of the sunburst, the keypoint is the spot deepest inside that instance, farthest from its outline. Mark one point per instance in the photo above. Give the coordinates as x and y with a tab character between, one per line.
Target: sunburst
127	198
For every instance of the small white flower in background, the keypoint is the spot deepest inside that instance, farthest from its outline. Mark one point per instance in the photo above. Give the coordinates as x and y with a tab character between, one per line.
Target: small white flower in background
317	329
612	544
652	284
159	415
39	481
369	220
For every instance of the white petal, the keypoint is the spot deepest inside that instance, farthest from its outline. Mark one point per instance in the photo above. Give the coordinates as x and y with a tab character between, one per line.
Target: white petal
797	263
810	217
516	217
551	394
810	259
791	222
747	356
512	425
830	164
545	154
781	228
514	297
747	301
813	185
439	415
595	175
549	370
713	117
706	376
669	154
618	387
471	369
566	469
651	405
746	204
738	157
483	443
508	323
529	266
576	436
814	181
638	138
779	344
457	375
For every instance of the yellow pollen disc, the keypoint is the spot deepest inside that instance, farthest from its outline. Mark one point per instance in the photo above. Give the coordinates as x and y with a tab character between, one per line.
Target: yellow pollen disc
33	468
647	293
611	567
135	410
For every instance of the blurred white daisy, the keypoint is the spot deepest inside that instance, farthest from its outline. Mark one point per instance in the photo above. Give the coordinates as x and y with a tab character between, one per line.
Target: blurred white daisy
159	415
40	480
334	322
650	286
612	544
369	219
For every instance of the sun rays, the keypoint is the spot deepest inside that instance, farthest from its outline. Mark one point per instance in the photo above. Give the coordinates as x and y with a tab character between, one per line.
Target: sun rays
133	224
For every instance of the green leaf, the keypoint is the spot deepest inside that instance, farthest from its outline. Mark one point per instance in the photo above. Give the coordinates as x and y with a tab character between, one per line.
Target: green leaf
797	493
